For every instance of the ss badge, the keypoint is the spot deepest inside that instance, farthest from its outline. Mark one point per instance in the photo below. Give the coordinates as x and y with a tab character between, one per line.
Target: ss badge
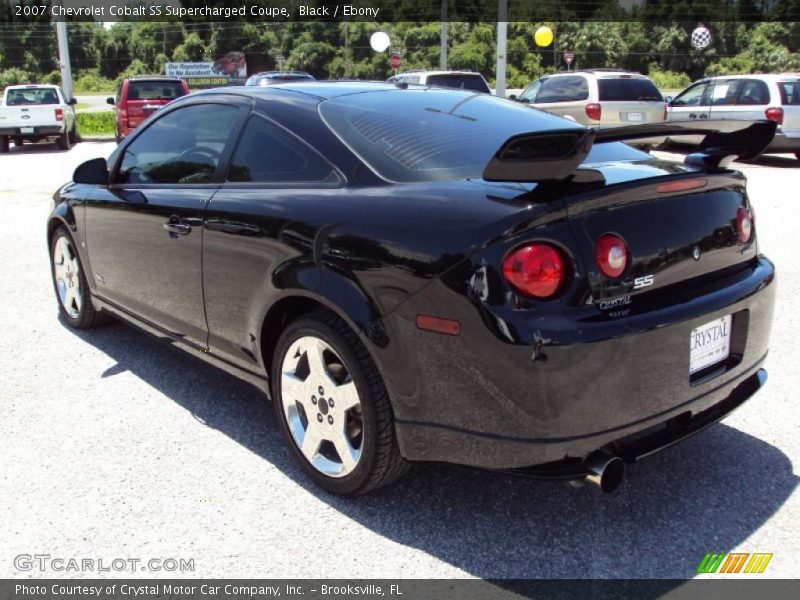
643	282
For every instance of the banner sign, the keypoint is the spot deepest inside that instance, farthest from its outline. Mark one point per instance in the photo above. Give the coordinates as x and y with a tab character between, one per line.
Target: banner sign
230	67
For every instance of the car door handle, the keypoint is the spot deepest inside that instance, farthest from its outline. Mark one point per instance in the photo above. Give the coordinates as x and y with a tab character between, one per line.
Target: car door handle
174	226
703	116
692	116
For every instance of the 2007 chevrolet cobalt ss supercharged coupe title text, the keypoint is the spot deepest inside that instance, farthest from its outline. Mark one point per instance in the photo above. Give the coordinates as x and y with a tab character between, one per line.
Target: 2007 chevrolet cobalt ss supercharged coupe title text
431	274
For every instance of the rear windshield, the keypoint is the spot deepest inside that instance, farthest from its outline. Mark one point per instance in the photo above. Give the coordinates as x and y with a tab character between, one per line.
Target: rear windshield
639	90
570	88
154	90
427	134
790	92
474	83
32	96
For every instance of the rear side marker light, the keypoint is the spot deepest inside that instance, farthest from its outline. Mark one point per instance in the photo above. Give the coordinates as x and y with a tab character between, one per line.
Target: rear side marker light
774	113
59	115
536	270
611	254
594	111
681	185
744	224
439	325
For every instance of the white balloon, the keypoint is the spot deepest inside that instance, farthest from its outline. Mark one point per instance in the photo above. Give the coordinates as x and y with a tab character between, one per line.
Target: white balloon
379	41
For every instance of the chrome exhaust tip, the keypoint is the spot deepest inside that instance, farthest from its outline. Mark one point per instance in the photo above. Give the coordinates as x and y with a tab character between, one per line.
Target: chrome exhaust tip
605	471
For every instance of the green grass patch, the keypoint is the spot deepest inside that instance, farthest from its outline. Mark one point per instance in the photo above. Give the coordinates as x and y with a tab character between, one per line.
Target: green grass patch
96	123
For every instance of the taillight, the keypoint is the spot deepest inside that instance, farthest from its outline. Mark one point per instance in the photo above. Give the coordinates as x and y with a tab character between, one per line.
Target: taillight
535	270
774	113
681	185
123	117
59	114
593	111
744	224
611	254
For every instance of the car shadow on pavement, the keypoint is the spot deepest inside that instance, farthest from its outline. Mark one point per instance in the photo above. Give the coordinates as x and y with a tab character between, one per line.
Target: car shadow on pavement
707	494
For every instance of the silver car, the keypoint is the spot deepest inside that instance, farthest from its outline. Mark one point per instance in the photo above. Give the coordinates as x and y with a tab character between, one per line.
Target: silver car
775	97
598	97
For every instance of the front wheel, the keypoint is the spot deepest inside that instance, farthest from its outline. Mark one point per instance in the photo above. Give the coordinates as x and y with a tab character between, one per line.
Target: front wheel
332	407
3	143
69	281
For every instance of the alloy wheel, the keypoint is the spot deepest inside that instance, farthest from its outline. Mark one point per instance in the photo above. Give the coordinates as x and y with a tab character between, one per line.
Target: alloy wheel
322	407
66	269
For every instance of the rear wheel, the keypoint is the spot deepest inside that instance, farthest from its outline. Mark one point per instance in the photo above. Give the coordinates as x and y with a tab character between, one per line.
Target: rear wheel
73	135
69	281
3	143
63	141
333	408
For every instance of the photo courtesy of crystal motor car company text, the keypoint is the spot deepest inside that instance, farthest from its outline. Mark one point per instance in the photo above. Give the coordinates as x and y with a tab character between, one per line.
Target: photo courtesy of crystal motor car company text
470	246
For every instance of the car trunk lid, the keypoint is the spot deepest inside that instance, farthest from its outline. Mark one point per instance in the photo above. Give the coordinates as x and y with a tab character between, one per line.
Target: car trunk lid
678	223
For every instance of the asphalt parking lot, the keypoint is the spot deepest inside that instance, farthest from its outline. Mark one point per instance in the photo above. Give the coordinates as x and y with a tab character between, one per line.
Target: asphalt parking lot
115	446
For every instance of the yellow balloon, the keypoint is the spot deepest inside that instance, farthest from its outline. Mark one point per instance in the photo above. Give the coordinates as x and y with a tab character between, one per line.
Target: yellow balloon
543	36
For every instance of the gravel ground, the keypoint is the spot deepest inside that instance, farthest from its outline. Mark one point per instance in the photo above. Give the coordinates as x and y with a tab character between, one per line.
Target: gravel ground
115	446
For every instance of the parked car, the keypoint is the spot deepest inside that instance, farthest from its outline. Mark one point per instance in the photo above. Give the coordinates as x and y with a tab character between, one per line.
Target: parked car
32	113
139	97
775	97
599	98
272	77
460	80
426	274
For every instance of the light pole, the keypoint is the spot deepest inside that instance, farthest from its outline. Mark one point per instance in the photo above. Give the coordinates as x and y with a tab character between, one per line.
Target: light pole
63	56
443	38
502	28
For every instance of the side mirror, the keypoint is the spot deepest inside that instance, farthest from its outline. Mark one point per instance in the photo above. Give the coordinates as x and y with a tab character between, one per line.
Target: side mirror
72	102
92	172
110	100
668	100
512	97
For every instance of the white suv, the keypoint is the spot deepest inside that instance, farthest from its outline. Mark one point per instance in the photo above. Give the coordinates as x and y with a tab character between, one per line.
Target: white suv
598	97
460	80
775	97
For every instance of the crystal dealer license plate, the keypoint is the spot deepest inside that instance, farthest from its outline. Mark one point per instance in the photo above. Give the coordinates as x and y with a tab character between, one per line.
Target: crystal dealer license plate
710	344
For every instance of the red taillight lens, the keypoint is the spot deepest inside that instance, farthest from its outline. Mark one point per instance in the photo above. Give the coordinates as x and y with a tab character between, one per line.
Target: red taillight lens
744	224
611	254
774	113
593	111
536	270
681	185
59	115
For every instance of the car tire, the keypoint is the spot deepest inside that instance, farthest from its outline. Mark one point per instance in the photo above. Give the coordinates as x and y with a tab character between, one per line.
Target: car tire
333	408
3	143
73	135
797	155
63	141
18	142
69	282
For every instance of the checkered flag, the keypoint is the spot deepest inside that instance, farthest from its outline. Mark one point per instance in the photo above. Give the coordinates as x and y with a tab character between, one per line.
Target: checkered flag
701	37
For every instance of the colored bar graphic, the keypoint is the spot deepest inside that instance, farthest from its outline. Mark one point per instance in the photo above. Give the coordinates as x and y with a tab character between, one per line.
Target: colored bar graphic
735	562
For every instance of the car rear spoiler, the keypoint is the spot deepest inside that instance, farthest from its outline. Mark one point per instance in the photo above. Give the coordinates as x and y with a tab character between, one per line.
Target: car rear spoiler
556	155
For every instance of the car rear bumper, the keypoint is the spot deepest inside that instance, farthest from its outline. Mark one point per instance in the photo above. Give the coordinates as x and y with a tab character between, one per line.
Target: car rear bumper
783	143
511	406
37	131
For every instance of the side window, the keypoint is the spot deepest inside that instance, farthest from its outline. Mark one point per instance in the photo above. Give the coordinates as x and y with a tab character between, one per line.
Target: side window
694	96
268	154
530	93
753	91
183	146
790	92
563	89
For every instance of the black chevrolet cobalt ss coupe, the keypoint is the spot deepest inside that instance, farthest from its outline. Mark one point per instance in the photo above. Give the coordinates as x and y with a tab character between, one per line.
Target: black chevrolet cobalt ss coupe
421	274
